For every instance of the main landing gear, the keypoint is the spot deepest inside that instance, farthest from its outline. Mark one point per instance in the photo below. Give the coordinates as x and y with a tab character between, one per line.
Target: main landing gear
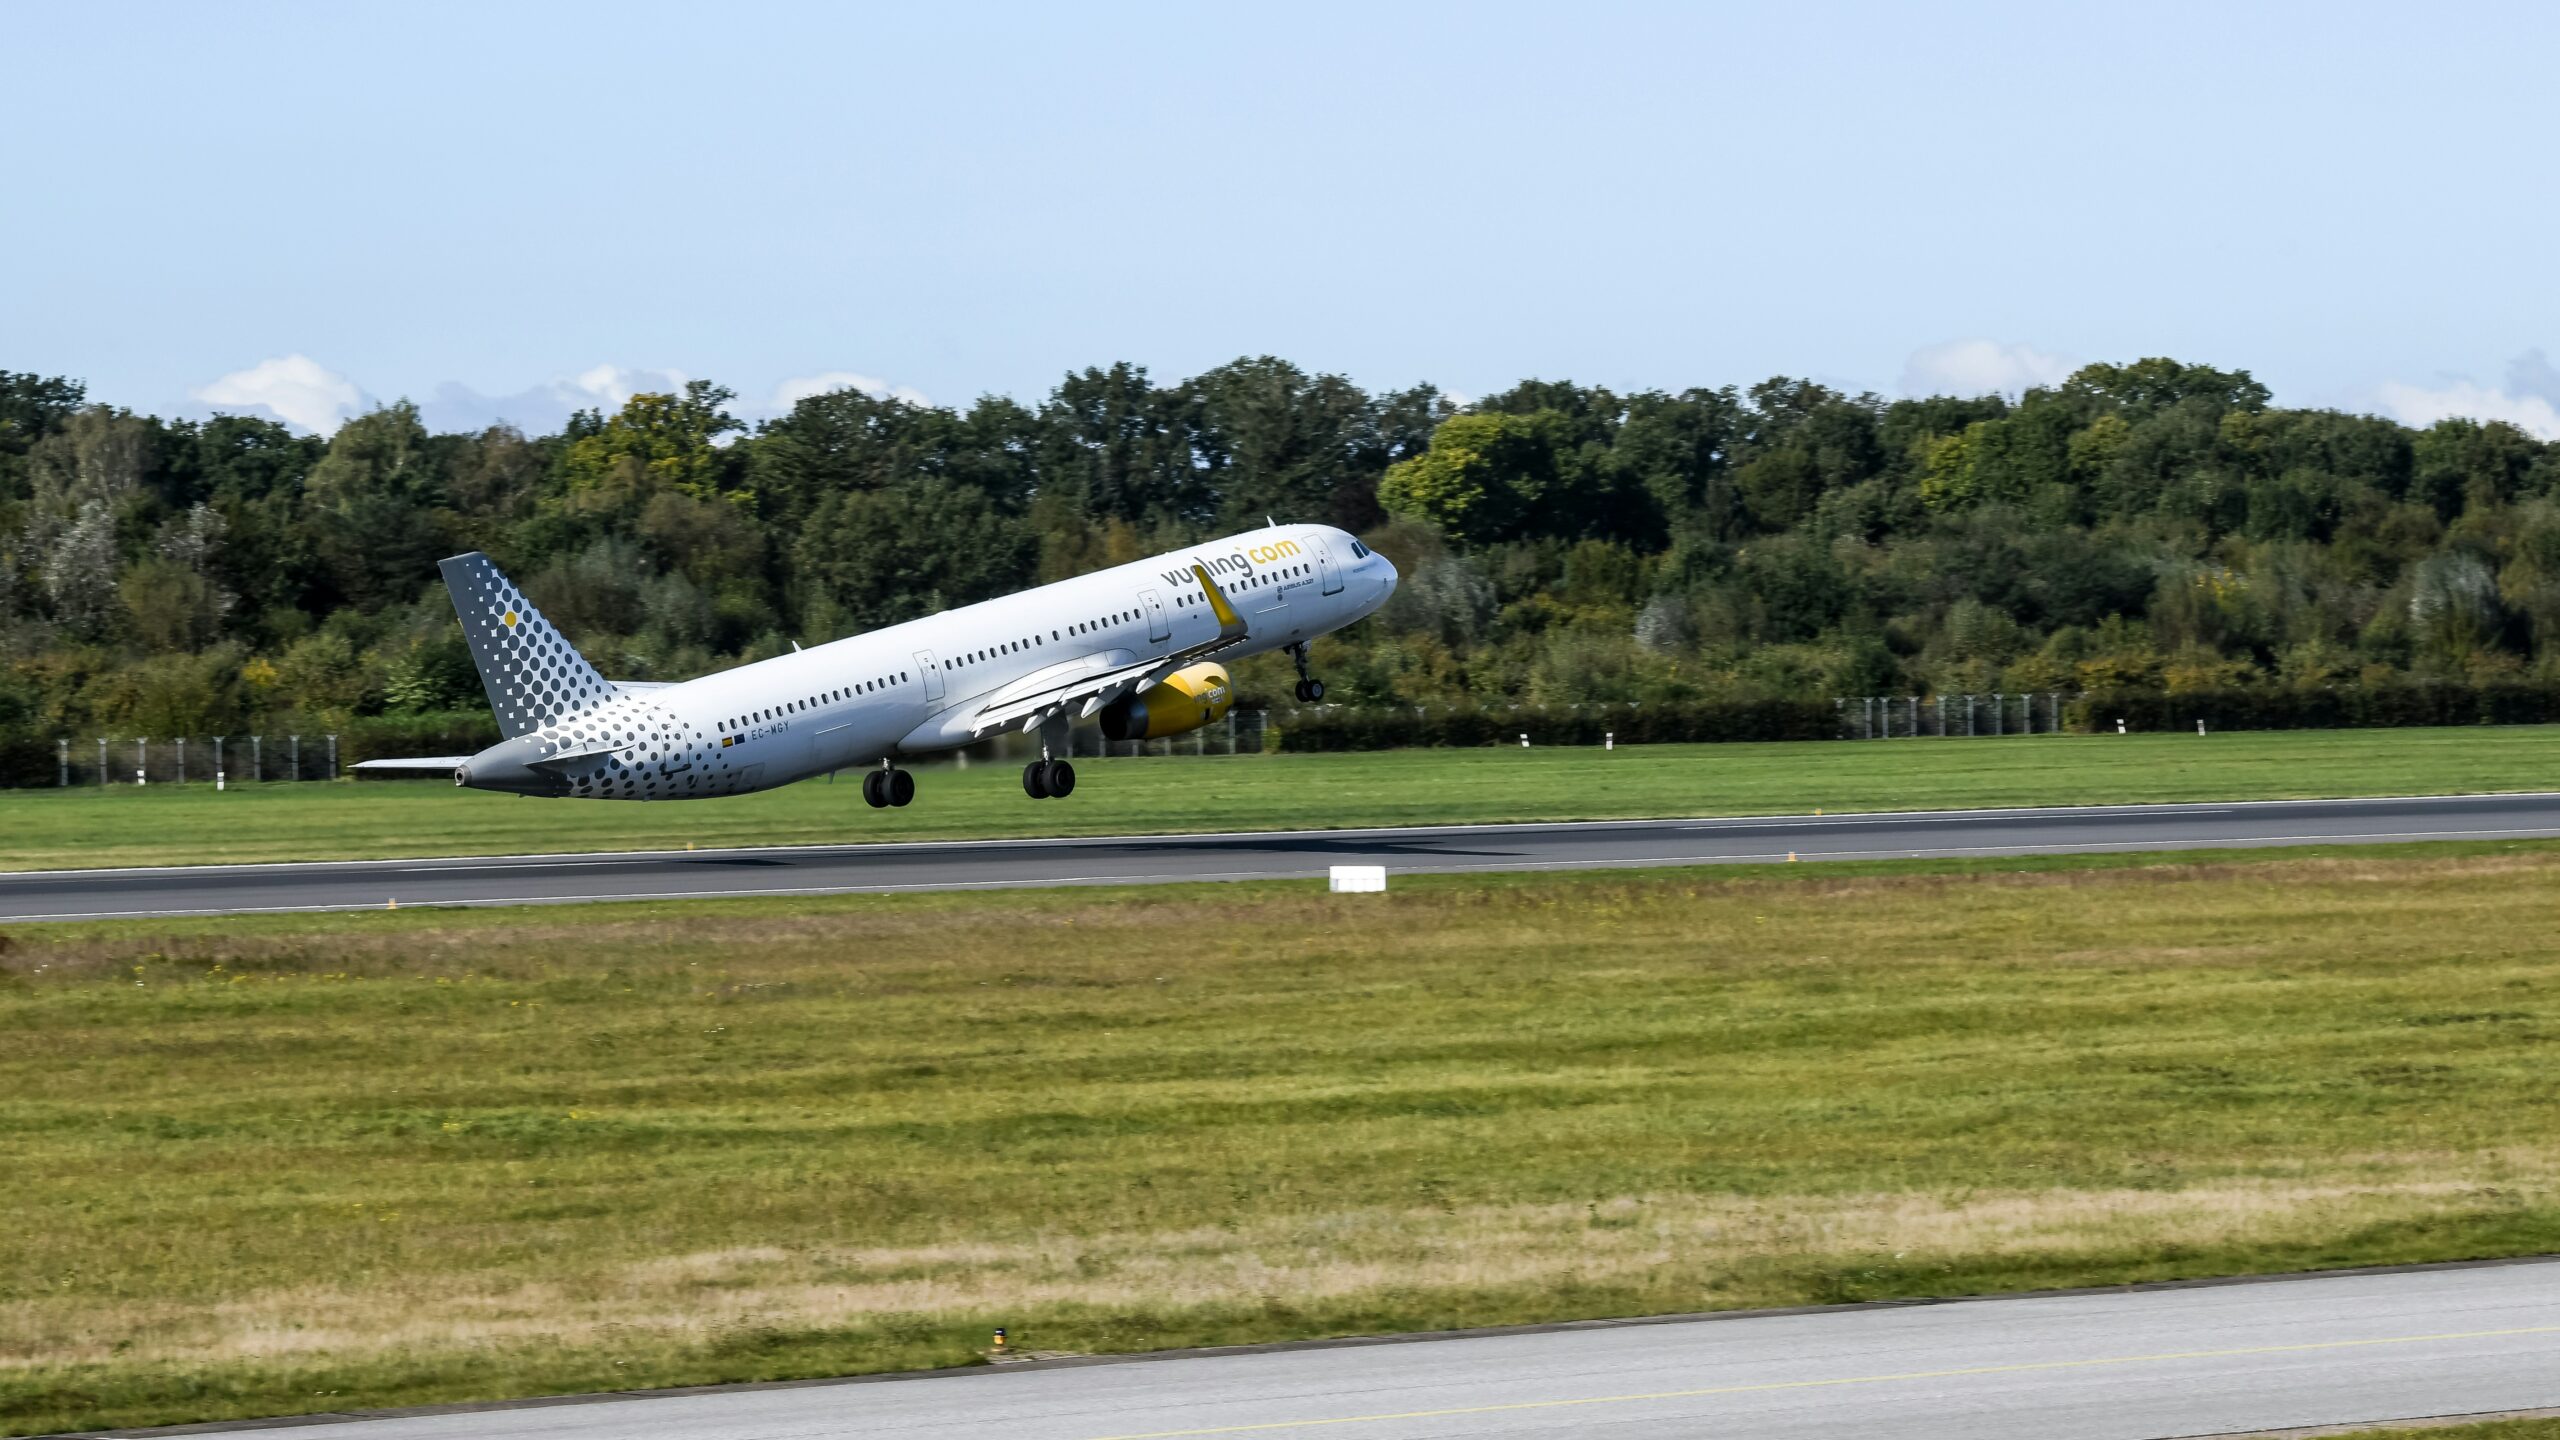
1310	689
1048	779
888	786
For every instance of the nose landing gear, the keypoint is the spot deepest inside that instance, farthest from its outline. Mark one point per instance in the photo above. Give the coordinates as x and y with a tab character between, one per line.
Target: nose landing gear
1310	689
888	786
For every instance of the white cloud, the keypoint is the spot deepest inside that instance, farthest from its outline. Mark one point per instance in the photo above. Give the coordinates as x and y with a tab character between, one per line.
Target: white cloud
544	408
294	389
2419	406
1981	367
610	387
301	393
792	392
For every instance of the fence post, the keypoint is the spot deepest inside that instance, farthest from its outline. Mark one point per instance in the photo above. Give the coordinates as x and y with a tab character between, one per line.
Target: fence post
2053	710
102	759
62	761
182	759
293	748
218	777
333	754
257	757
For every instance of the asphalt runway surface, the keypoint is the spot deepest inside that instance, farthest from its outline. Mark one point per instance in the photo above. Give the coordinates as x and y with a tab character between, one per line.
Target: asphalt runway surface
1008	864
2209	1360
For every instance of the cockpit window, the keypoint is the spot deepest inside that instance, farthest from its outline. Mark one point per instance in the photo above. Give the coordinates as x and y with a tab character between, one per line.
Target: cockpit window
1359	549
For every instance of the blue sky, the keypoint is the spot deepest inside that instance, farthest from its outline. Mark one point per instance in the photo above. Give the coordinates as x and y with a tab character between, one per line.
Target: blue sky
507	210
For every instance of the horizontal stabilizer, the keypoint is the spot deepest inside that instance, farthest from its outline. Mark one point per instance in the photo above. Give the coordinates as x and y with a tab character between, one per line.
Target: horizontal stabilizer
571	757
410	765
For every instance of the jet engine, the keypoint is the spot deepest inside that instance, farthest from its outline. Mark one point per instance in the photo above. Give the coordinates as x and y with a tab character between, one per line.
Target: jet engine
1184	700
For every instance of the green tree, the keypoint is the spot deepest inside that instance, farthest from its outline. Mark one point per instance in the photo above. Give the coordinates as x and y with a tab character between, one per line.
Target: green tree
2460	463
655	442
374	508
2147	387
874	557
1484	479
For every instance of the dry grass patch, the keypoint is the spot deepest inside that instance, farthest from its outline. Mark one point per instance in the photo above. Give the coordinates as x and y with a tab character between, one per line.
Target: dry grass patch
419	1157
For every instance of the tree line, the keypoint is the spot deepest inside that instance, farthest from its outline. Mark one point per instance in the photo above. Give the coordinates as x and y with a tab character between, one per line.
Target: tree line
2148	526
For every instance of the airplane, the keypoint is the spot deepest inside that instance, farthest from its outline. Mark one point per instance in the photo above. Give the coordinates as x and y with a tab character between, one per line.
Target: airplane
1142	648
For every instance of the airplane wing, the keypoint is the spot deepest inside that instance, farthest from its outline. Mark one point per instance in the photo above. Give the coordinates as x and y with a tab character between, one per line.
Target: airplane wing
1088	693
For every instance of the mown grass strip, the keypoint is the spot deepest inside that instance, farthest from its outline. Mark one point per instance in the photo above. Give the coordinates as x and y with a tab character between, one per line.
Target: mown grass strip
195	825
315	1162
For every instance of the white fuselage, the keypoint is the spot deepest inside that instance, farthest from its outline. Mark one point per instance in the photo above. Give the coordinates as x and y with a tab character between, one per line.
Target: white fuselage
928	684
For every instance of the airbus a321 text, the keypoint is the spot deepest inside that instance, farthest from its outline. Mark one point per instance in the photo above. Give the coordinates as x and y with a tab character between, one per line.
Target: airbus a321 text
1141	648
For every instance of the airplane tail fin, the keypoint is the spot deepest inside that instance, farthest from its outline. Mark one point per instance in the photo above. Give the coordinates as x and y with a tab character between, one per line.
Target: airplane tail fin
533	676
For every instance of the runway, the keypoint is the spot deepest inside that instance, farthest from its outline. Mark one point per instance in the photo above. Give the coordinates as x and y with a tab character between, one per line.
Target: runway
1005	864
2212	1360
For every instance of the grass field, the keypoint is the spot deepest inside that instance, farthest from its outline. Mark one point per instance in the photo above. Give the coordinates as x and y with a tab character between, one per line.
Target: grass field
314	1162
168	825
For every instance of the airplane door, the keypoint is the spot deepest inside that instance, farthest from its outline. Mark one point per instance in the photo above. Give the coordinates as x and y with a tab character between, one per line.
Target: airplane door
931	670
1325	569
1159	627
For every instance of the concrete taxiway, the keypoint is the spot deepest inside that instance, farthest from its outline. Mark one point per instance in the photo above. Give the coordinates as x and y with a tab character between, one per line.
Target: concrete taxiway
2217	1359
1005	864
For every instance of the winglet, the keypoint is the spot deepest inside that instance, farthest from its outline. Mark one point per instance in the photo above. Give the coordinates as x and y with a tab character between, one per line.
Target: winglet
1230	624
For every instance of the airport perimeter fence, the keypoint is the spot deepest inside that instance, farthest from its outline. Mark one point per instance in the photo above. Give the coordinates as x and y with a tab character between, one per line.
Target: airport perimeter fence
1339	727
30	761
224	760
1913	717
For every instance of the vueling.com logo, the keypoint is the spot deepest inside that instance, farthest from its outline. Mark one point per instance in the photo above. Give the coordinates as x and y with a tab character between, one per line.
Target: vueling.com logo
1241	562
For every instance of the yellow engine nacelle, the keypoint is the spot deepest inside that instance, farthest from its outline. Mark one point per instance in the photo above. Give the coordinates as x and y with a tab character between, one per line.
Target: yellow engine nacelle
1184	700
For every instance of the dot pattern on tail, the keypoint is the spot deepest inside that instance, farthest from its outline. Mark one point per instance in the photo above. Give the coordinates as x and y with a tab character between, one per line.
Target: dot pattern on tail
625	747
533	677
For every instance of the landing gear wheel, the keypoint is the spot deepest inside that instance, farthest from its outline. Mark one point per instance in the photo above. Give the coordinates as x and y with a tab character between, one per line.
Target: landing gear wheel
1310	689
1035	779
874	792
901	786
1061	779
